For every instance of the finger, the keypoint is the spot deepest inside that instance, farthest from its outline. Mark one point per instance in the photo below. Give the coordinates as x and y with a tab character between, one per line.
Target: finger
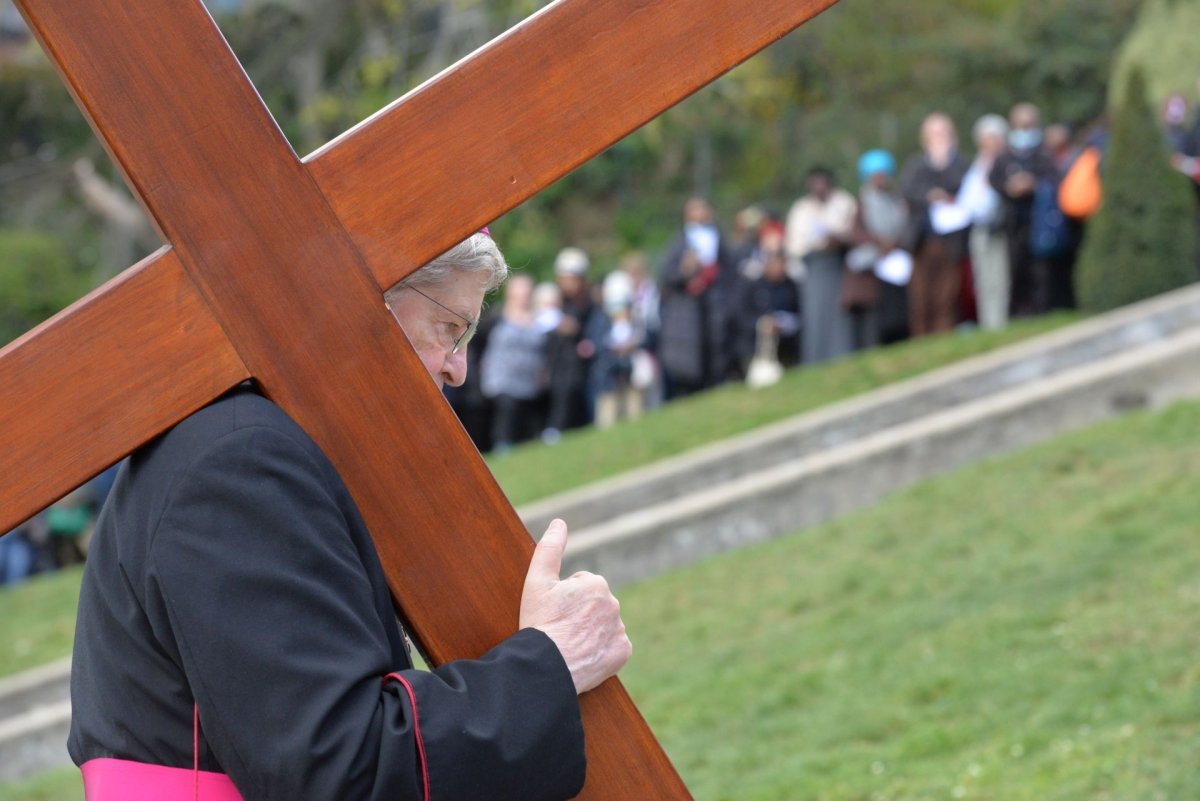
547	559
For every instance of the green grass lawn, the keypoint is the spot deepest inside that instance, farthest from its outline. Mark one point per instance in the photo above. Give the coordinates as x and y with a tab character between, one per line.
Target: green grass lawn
37	620
1025	629
535	471
58	785
1020	630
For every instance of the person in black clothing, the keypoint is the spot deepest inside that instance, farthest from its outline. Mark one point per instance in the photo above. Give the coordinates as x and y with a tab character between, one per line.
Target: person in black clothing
697	319
475	410
1191	144
569	348
773	295
234	616
1015	175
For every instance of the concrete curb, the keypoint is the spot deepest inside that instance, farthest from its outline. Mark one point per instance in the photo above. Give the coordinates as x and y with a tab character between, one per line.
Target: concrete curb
42	685
979	377
35	718
35	742
782	498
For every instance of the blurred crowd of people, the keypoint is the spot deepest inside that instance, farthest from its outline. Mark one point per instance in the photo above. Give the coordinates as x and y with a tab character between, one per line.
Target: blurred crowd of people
956	235
952	237
56	537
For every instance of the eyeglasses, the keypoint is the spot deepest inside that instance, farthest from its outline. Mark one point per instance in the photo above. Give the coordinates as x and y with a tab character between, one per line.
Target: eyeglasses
472	325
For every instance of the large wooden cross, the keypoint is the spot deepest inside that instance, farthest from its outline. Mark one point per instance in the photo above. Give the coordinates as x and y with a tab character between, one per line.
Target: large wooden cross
276	265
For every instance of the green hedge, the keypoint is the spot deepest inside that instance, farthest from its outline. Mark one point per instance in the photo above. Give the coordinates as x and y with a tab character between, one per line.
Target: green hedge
1143	241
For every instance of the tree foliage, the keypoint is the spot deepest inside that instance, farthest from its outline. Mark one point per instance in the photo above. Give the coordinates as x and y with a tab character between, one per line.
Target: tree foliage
38	279
1143	241
1164	44
860	76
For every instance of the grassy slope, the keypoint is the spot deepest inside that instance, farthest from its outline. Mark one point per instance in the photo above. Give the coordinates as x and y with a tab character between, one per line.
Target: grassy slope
39	617
1023	629
59	785
534	471
37	620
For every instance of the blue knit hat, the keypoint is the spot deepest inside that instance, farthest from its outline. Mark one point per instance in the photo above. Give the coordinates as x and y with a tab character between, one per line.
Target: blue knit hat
874	161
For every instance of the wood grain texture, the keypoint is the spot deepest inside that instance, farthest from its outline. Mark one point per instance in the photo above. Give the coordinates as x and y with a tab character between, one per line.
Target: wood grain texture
500	125
255	234
109	373
286	259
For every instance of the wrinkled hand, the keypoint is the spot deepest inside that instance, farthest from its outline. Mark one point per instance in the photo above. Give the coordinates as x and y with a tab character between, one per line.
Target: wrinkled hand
578	613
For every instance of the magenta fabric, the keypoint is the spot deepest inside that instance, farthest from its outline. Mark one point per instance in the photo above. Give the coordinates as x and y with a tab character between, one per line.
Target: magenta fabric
123	780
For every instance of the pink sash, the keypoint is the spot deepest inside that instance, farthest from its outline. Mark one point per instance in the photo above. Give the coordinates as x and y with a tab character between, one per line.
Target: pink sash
108	779
124	780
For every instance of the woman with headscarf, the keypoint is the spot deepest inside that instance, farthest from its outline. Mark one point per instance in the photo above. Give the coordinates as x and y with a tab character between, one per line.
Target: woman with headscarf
879	229
819	227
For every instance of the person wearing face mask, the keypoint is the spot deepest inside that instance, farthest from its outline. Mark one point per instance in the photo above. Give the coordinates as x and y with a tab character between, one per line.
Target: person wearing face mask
1015	175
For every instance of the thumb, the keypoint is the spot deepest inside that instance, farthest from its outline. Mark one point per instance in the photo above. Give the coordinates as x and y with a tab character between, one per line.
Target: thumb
548	555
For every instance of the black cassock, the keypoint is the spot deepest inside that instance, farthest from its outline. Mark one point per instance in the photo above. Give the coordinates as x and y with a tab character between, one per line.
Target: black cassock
231	569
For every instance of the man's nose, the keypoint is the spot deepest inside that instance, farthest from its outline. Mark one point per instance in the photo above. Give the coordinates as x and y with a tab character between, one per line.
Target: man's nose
455	368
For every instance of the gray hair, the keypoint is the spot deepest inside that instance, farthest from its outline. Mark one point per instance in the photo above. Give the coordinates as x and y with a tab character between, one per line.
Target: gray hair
477	253
992	124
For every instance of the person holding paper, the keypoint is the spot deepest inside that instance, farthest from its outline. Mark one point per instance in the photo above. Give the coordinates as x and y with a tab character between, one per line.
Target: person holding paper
938	228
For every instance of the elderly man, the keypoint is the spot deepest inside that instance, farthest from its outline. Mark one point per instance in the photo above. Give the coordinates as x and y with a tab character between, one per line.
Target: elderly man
988	242
1015	175
236	637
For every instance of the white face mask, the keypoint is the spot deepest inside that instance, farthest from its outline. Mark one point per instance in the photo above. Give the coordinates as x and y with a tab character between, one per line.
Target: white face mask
1024	139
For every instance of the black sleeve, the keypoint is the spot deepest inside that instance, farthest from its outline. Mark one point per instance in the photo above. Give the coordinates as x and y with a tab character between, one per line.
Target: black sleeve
1045	169
998	174
255	581
912	185
956	173
672	278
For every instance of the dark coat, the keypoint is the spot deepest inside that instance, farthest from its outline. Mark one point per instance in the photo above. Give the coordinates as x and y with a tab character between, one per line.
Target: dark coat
694	342
763	297
231	569
567	370
916	181
1017	210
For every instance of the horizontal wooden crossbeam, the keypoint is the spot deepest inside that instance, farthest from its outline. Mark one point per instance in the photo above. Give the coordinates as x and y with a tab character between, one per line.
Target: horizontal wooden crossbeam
104	376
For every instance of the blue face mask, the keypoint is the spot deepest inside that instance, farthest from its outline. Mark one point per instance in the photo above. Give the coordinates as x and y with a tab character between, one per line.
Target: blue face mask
1024	139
